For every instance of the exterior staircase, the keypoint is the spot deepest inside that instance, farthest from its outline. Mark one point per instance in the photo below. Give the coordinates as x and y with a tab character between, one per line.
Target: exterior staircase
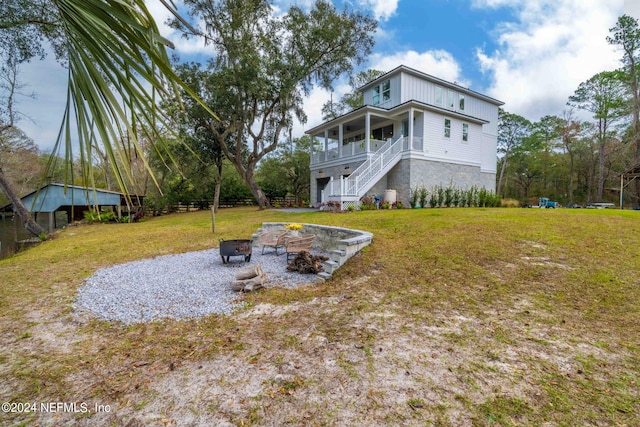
349	190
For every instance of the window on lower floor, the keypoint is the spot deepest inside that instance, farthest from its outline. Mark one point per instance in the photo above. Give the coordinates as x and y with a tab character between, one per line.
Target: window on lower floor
447	128
465	132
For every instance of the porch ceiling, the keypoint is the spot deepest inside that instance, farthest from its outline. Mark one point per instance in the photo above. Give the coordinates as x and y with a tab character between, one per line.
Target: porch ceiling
359	124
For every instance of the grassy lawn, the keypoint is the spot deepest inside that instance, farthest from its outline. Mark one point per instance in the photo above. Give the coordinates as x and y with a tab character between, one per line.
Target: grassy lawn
452	317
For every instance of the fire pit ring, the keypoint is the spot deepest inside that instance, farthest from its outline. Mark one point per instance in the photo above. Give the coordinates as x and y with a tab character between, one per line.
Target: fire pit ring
237	247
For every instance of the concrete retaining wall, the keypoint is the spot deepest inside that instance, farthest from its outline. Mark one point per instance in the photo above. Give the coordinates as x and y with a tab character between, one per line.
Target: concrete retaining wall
340	243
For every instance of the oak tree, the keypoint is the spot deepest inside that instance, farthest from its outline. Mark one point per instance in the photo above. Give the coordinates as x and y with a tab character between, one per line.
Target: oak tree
262	66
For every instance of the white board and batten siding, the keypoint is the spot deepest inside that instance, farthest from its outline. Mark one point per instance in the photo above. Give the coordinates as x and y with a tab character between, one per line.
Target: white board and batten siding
453	149
422	90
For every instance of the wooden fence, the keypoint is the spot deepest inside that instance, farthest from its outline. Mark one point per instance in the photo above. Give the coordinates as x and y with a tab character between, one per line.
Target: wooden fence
196	205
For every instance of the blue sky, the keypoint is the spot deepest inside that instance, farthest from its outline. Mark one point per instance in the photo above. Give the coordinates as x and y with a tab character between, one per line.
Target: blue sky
530	54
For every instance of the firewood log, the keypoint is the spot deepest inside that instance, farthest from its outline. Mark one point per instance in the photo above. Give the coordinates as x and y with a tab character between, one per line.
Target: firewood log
248	285
249	272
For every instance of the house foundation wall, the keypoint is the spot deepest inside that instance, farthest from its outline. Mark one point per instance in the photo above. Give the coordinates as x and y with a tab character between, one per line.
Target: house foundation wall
412	173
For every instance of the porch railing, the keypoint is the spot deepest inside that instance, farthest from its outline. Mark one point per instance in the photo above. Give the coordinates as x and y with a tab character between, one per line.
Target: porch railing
368	173
353	148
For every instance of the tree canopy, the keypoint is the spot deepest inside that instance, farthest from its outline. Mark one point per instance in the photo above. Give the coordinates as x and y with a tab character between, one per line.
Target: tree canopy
262	65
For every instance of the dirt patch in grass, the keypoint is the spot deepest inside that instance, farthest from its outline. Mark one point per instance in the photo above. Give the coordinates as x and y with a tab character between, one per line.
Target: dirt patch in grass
482	317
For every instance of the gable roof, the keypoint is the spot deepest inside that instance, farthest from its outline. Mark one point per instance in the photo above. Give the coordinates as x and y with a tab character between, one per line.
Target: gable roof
51	197
403	68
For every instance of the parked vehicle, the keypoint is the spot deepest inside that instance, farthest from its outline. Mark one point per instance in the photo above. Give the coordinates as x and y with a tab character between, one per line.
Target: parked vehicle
546	203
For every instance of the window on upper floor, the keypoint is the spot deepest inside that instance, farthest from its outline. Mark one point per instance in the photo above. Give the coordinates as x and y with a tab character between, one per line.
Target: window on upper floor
461	102
451	99
465	132
384	89
376	95
438	96
447	128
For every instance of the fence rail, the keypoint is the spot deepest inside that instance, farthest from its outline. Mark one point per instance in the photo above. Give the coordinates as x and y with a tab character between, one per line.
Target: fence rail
229	202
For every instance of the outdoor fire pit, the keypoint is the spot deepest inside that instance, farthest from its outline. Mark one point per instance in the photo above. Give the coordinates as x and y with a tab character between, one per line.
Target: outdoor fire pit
237	247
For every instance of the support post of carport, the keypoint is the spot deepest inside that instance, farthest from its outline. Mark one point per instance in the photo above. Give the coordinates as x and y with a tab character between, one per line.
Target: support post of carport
52	222
621	190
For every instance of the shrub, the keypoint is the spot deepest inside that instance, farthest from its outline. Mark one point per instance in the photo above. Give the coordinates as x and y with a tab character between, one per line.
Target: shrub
414	194
423	196
91	216
433	200
332	205
448	196
440	197
510	203
471	197
456	198
103	217
367	203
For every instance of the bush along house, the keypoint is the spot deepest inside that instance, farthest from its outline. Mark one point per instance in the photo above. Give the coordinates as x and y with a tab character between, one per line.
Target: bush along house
414	130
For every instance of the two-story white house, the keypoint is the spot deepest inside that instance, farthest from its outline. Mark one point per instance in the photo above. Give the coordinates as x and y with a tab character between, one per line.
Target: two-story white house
413	130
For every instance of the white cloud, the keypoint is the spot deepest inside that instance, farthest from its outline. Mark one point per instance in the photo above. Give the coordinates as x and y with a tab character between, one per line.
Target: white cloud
313	108
438	63
548	52
632	8
382	9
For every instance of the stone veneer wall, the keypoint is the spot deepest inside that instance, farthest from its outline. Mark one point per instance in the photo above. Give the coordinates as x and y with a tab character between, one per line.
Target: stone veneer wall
411	173
341	243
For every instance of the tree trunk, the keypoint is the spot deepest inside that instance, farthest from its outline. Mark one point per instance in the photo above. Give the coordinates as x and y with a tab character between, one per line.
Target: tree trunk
23	213
635	120
257	192
571	178
601	153
216	191
216	196
502	169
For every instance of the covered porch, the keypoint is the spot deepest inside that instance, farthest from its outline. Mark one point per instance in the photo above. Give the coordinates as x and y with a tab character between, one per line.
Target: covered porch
352	138
352	152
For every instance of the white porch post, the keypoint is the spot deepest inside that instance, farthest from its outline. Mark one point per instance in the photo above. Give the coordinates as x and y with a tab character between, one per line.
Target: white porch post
326	145
367	129
313	138
340	136
410	136
331	192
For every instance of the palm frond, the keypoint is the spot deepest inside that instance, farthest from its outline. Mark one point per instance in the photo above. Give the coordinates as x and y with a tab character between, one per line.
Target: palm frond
119	74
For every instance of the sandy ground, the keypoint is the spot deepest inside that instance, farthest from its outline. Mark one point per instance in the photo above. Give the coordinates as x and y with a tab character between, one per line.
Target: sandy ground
380	370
